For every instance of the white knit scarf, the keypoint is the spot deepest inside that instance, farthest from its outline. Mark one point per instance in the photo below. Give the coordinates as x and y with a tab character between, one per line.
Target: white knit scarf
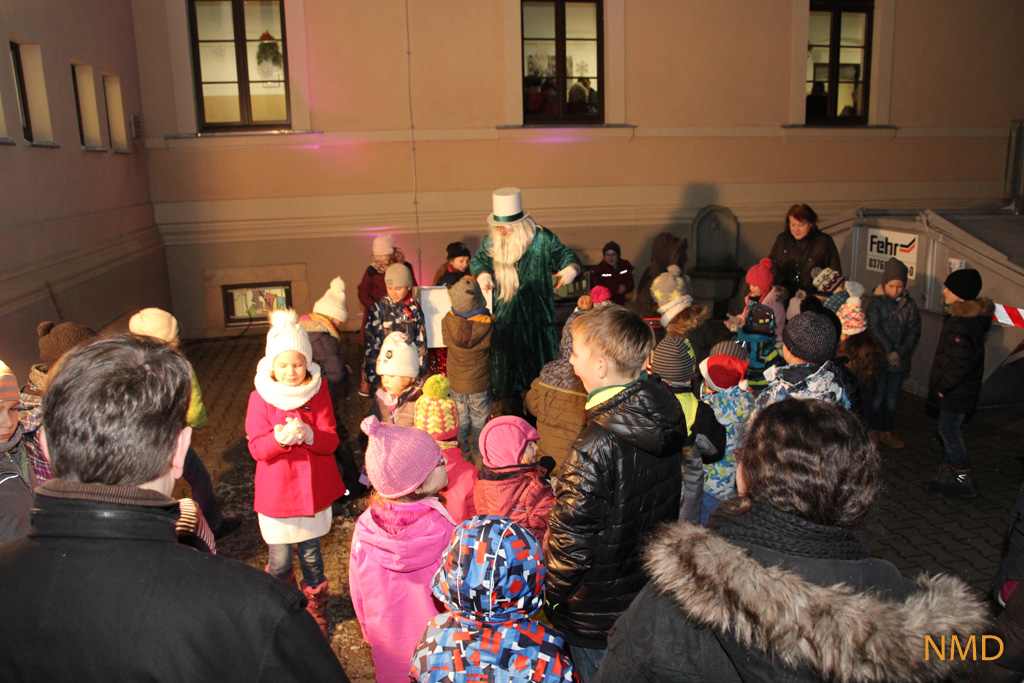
284	397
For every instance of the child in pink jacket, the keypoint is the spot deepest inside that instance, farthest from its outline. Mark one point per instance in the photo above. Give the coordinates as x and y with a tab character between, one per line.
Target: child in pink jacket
436	414
292	436
397	544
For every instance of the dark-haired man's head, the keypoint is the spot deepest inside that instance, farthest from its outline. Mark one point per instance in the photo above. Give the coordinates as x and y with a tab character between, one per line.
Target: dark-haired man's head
115	413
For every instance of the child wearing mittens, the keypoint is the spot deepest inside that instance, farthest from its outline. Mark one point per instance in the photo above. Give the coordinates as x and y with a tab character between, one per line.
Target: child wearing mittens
292	436
397	544
436	414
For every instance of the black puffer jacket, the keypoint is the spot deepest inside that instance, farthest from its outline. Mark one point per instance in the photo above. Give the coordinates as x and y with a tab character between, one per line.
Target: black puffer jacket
959	362
622	478
793	260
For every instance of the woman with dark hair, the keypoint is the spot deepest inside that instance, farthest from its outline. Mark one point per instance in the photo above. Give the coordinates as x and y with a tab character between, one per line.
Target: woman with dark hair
777	586
801	248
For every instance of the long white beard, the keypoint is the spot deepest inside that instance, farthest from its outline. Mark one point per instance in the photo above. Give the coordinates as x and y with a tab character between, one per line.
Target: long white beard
506	250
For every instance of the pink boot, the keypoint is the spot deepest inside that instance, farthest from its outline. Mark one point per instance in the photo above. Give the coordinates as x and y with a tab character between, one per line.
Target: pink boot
317	604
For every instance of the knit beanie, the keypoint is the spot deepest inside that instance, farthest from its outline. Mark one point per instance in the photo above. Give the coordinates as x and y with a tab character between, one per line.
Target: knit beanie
730	348
435	411
599	294
503	440
760	320
154	322
669	286
761	275
851	315
56	340
8	384
825	280
965	283
398	459
383	245
398	357
612	246
673	360
723	371
332	303
457	249
287	335
584	303
466	295
398	275
850	289
811	337
894	270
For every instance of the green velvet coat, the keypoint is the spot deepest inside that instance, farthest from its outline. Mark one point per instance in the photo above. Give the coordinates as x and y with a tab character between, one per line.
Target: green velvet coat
524	329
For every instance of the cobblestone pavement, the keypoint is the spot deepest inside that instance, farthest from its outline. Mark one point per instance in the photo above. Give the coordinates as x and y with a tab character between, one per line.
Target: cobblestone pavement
916	530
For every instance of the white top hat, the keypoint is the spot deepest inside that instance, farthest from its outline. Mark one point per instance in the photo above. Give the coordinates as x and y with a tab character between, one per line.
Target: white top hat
508	207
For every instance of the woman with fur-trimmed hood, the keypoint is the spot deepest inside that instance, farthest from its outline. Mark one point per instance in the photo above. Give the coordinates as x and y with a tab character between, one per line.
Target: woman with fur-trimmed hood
777	586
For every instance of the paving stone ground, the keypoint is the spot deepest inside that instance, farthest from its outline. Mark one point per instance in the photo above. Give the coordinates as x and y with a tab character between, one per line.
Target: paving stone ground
916	530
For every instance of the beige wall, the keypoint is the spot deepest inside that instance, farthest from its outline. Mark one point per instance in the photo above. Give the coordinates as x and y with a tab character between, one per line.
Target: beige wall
80	221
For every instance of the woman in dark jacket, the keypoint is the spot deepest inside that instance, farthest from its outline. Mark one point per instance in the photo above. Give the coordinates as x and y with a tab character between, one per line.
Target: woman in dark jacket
777	587
801	248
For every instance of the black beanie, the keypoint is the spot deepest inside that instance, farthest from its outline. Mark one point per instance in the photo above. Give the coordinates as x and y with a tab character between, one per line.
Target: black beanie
811	337
612	246
965	283
894	270
457	249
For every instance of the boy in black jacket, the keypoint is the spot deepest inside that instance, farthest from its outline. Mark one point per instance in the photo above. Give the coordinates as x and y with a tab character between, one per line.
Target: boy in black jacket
956	375
622	478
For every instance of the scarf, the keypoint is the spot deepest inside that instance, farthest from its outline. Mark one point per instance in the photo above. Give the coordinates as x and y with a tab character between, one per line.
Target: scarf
766	527
12	443
280	396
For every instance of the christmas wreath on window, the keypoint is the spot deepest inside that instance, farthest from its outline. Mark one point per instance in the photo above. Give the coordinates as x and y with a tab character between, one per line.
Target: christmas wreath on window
269	50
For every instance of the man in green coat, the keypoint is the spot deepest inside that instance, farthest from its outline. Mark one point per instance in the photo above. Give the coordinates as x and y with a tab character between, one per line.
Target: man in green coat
522	263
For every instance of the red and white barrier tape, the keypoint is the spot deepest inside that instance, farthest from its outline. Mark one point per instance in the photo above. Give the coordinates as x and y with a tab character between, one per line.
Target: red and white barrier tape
1008	315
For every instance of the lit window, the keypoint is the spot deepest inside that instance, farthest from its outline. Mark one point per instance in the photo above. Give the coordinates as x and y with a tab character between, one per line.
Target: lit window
85	103
839	62
19	83
115	113
240	65
562	69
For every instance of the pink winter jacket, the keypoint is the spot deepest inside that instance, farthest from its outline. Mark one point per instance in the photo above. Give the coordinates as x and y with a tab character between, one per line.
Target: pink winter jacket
395	552
458	494
294	481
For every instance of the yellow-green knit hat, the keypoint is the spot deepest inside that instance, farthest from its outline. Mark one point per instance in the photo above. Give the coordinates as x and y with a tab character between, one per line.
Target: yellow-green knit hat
435	412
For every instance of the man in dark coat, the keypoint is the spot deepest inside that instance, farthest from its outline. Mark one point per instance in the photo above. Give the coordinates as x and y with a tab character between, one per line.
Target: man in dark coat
957	371
622	478
100	590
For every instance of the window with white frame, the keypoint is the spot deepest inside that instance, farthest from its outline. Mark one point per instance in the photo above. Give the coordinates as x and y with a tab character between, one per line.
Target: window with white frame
85	104
838	74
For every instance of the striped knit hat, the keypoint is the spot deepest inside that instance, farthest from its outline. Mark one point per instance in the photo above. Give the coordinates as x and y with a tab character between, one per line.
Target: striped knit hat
398	459
826	280
674	360
435	412
851	315
8	384
730	348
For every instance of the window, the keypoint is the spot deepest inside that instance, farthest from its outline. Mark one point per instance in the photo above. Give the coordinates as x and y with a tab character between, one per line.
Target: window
562	69
30	86
115	113
239	64
19	83
85	103
839	62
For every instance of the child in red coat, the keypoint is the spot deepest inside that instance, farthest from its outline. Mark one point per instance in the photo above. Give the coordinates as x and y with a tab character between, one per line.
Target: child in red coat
292	436
511	482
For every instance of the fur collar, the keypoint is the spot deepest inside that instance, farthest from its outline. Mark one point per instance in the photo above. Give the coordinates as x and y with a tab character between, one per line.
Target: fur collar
974	308
840	634
688	320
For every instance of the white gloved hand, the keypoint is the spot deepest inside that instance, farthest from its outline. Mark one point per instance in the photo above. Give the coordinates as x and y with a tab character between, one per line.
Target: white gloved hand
284	435
566	275
485	281
303	432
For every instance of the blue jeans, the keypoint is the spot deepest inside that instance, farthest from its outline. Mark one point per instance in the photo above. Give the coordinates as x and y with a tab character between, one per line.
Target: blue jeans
953	440
707	506
310	559
198	478
884	401
586	661
474	409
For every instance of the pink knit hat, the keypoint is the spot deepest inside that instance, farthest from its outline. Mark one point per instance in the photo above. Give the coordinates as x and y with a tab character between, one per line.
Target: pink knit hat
599	294
761	275
503	440
398	459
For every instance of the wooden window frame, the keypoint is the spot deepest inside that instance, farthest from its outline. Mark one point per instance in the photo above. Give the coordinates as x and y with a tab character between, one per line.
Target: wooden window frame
242	69
836	8
561	115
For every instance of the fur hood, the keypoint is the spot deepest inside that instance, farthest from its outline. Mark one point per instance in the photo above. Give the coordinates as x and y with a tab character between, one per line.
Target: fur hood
974	308
688	320
840	634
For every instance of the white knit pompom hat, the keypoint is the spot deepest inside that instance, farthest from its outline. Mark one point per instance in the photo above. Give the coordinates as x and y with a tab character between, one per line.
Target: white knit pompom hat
286	335
332	303
398	357
383	245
